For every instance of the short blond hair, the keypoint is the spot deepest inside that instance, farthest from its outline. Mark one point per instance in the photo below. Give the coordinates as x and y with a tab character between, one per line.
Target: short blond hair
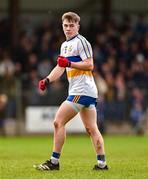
71	16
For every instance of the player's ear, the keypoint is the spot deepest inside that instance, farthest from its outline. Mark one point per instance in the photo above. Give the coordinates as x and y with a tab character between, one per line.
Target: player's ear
78	26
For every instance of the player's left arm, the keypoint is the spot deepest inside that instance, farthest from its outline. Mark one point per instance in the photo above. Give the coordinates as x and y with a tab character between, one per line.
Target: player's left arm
86	65
85	52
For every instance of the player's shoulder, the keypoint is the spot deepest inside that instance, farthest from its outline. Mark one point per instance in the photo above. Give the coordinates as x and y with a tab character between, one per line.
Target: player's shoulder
82	39
63	44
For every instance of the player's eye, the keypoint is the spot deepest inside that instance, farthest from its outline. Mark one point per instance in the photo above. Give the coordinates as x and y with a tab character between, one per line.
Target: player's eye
72	25
65	25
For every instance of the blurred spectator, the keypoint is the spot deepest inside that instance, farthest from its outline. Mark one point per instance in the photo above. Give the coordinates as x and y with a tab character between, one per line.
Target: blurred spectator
6	65
100	83
4	33
32	61
31	95
44	67
120	87
136	115
141	25
110	95
21	53
8	86
7	81
120	90
44	47
102	90
3	104
137	107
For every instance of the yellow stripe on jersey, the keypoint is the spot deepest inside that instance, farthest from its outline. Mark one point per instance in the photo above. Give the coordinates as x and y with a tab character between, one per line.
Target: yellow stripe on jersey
76	72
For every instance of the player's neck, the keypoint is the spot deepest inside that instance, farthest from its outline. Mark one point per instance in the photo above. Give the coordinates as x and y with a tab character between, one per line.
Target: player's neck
72	37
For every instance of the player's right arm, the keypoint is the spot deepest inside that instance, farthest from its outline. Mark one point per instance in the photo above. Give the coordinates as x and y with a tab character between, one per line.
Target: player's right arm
55	74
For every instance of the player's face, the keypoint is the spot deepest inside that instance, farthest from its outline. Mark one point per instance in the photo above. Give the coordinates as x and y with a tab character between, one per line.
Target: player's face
70	28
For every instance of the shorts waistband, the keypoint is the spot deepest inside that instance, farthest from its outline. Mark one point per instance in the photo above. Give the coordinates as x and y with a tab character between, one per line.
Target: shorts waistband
84	100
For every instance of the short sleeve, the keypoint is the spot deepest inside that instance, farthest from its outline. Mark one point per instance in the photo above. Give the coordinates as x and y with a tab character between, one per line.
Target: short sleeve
61	50
84	49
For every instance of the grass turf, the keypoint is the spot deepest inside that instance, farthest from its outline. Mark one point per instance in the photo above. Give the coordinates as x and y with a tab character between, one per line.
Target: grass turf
127	157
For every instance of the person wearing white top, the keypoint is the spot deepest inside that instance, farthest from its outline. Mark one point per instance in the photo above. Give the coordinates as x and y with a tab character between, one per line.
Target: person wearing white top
77	58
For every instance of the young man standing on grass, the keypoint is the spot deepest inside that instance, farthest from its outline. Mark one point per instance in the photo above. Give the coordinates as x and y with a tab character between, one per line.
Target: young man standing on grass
76	57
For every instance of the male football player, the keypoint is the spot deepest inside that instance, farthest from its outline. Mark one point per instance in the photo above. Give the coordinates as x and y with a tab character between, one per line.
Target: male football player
77	58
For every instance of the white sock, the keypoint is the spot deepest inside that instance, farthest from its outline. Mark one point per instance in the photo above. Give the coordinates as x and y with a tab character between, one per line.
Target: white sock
101	164
54	160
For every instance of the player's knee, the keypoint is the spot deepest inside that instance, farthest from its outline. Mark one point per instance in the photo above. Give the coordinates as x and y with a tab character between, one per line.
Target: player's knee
57	124
88	131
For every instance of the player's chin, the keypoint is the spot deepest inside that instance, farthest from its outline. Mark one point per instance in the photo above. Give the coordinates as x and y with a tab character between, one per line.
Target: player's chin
68	35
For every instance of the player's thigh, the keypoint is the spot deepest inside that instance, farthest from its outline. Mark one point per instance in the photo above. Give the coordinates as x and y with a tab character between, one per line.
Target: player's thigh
89	117
65	113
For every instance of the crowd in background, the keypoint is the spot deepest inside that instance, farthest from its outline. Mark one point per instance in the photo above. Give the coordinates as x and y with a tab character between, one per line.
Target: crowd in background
120	52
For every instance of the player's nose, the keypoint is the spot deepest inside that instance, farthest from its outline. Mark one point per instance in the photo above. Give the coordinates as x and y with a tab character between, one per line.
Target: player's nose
68	27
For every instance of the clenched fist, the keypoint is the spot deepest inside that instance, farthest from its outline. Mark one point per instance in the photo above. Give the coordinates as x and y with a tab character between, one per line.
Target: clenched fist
63	62
43	83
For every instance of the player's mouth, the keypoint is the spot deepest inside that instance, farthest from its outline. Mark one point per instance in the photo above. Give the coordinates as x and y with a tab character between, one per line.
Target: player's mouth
68	32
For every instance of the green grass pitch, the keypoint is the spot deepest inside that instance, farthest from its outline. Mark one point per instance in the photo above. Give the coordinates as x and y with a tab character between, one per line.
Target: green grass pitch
127	157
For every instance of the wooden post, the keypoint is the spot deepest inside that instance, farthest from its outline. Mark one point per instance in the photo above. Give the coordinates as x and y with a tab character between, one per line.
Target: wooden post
106	9
14	21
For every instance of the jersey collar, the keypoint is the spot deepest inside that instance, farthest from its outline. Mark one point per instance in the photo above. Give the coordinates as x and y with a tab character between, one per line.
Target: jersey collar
72	38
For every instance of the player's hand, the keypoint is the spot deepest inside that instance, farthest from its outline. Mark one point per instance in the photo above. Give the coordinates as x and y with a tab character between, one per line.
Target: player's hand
63	62
43	83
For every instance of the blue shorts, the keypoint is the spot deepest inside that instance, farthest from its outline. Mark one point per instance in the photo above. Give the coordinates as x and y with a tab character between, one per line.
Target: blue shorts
86	101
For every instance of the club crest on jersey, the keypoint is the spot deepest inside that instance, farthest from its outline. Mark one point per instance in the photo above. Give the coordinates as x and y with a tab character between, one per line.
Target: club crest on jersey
65	49
69	48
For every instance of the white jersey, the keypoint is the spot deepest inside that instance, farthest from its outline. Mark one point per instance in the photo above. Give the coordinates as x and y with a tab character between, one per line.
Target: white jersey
80	82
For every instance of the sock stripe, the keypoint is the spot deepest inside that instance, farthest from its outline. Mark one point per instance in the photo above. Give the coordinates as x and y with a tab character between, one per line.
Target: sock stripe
101	157
56	155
